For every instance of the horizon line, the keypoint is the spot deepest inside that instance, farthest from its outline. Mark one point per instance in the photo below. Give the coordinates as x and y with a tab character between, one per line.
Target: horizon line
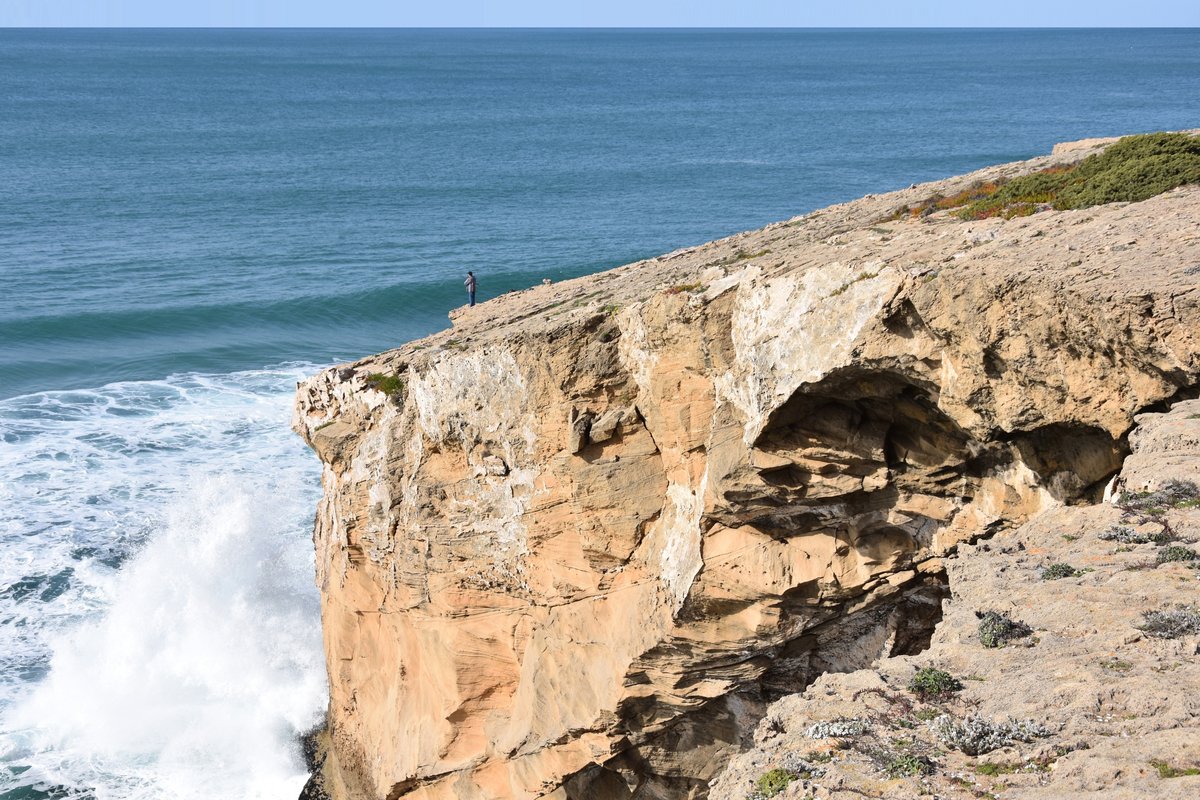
612	27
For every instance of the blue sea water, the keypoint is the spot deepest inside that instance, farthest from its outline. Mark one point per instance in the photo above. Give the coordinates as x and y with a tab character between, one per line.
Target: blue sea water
190	220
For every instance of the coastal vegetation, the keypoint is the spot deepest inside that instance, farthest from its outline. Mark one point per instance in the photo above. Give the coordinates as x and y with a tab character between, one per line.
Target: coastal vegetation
1056	571
996	629
907	765
1170	624
1173	494
1124	534
1166	770
1131	169
930	683
742	255
862	276
836	729
1177	553
772	783
976	736
391	385
993	770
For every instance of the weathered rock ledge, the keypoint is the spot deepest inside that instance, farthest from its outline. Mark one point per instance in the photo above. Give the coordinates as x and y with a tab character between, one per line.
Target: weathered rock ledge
587	535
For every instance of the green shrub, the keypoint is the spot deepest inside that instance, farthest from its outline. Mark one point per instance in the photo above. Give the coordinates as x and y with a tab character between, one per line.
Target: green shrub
772	783
1056	571
1133	168
742	255
1040	187
996	629
1177	553
908	766
391	385
930	683
980	190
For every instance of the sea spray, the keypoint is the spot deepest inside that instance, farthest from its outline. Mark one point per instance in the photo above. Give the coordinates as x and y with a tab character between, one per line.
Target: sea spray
196	680
183	656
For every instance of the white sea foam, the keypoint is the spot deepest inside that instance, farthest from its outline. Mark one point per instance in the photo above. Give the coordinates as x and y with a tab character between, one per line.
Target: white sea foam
156	558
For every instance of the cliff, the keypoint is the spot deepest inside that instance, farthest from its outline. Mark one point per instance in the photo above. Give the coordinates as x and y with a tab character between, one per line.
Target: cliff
575	546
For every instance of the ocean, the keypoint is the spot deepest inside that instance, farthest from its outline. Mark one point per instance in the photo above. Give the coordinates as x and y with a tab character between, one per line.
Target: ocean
193	220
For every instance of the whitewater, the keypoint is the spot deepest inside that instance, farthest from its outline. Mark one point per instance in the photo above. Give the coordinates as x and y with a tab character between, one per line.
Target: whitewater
158	575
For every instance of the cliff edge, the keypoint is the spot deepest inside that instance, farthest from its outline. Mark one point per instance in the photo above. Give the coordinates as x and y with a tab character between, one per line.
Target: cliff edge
576	545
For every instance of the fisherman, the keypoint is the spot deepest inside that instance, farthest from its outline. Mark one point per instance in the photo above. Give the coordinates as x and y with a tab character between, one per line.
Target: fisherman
470	284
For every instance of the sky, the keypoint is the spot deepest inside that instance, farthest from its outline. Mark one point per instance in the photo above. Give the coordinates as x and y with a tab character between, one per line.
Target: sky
599	13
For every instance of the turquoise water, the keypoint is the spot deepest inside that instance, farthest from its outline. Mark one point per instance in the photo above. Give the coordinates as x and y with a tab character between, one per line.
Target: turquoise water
191	221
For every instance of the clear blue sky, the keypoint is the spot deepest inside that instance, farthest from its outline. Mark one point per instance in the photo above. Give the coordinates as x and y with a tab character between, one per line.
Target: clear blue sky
602	13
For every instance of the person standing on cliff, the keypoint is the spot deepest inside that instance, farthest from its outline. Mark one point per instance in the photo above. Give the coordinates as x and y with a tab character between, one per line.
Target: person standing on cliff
470	284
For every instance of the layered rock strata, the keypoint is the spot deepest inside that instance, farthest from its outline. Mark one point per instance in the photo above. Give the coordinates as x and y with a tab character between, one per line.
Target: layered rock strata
573	546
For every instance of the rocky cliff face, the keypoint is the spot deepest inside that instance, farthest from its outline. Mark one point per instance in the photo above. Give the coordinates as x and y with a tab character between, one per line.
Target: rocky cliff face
575	545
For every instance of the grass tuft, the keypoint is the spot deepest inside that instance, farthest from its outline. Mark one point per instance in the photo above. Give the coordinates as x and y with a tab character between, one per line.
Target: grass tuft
862	276
1116	664
742	255
1165	770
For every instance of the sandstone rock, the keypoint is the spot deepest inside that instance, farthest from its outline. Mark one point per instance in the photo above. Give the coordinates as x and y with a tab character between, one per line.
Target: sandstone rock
608	521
